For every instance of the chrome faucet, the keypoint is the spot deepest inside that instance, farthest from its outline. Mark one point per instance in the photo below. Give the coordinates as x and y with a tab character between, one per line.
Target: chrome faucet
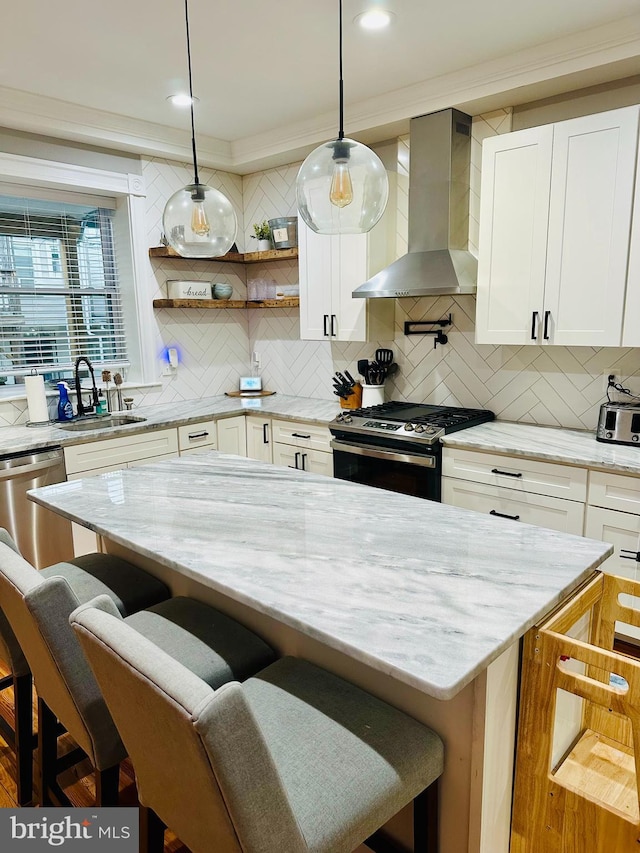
82	409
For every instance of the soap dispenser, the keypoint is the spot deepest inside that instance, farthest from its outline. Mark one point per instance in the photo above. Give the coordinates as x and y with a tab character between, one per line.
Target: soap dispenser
65	409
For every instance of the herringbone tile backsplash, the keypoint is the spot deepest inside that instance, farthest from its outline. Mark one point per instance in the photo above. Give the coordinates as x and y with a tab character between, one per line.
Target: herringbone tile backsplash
547	385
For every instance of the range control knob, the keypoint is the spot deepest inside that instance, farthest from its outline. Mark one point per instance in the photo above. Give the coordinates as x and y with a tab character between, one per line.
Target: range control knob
634	438
409	427
430	430
346	419
420	428
608	435
339	417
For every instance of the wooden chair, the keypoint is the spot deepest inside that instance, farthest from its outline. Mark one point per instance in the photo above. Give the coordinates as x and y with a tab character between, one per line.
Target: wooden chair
295	759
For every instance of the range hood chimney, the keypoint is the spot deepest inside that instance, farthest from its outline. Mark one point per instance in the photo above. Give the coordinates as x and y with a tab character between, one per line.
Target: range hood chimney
437	261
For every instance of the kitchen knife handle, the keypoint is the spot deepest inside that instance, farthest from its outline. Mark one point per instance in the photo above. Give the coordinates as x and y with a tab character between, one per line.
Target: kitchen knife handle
265	434
505	473
299	435
325	317
534	325
334	319
545	334
304	464
504	515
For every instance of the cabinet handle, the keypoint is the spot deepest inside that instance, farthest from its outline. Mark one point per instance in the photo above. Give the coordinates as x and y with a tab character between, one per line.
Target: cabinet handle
297	459
304	464
325	317
545	334
299	435
504	515
630	555
265	436
334	319
534	325
505	473
193	435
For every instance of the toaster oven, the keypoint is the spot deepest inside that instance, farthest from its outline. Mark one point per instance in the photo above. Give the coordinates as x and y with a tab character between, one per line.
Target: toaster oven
619	423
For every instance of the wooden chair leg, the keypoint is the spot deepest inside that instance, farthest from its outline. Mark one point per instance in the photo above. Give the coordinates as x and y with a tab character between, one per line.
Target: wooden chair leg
107	786
23	741
425	820
49	792
151	831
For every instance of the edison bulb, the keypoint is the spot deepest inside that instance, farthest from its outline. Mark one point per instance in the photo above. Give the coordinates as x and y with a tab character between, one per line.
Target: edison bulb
342	188
199	221
341	193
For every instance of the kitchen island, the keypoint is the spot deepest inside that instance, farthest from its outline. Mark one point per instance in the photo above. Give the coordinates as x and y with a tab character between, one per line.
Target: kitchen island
420	603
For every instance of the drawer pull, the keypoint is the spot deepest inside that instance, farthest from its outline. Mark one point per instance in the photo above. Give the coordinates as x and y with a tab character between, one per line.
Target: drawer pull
630	555
504	515
304	464
299	435
265	435
194	435
504	473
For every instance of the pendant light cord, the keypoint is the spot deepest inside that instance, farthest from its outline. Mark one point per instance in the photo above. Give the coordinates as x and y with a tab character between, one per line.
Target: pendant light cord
196	179
341	130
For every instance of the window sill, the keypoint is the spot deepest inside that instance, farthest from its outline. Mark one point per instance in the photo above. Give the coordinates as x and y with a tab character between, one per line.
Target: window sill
10	393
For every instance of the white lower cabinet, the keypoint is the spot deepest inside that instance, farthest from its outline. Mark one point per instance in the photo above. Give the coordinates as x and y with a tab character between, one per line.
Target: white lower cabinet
303	446
198	436
314	461
114	454
232	435
259	438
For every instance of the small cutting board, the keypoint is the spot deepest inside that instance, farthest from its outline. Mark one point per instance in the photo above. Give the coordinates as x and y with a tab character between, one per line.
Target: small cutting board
249	393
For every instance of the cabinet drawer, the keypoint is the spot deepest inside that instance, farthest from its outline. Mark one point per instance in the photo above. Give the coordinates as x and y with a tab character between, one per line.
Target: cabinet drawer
542	510
313	461
196	435
119	451
523	475
311	436
614	491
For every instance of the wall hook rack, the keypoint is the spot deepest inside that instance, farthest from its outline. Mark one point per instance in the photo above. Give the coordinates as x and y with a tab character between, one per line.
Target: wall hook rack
411	327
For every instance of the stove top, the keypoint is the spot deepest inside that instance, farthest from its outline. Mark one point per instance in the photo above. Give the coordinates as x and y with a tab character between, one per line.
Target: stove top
414	422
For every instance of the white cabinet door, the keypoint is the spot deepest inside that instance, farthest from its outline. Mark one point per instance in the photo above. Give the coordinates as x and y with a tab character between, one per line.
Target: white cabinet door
631	327
200	434
555	220
285	454
259	439
541	510
592	183
232	435
514	212
316	277
317	462
349	315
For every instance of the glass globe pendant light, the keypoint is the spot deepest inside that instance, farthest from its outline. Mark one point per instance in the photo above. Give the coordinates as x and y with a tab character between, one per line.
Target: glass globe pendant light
342	187
198	221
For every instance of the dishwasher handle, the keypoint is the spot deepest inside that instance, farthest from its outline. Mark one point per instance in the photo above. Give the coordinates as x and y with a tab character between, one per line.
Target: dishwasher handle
51	461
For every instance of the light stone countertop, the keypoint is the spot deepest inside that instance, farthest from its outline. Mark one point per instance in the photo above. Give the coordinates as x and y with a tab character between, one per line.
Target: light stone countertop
15	439
551	444
422	592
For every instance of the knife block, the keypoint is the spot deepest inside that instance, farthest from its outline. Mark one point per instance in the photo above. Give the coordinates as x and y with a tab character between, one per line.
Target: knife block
354	401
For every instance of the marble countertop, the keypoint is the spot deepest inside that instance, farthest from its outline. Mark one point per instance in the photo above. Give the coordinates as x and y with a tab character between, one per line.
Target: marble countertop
552	444
15	439
425	593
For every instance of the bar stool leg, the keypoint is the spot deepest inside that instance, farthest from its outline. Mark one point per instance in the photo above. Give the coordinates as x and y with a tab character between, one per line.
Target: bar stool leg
23	741
151	831
107	785
47	754
425	820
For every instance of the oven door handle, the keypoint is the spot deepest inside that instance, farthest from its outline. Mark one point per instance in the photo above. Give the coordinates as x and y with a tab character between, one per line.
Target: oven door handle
376	453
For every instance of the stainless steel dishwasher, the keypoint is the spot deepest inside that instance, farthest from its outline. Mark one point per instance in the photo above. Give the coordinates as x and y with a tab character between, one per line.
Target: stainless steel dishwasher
42	536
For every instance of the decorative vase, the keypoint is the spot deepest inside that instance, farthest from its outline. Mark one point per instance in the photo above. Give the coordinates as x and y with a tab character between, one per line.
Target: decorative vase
264	245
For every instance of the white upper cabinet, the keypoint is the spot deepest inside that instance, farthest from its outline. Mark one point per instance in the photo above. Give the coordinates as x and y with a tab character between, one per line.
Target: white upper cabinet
331	267
555	221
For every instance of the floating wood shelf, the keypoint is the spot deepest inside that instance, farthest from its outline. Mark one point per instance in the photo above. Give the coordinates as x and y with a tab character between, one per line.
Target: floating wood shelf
230	257
287	302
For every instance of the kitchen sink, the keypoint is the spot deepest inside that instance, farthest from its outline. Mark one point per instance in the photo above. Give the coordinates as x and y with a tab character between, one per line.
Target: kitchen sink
105	422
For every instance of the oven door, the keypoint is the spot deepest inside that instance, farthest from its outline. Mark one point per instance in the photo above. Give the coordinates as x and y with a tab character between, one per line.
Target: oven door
405	471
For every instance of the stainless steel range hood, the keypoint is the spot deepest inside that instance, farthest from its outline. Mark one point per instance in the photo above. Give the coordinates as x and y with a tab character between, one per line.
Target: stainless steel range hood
438	261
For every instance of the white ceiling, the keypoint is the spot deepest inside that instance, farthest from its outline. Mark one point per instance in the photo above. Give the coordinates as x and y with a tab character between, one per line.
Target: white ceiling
266	72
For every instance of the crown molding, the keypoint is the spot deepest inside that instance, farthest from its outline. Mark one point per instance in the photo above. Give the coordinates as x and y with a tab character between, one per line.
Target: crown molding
551	68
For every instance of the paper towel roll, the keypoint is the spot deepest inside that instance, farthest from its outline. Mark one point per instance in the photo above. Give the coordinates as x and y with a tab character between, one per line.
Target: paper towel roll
36	399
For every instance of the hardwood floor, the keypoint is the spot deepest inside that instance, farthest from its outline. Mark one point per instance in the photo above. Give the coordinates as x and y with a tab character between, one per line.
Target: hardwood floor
77	783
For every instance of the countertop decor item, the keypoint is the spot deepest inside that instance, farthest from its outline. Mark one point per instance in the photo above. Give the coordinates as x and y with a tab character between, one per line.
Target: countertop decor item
198	221
284	232
330	186
222	291
177	289
262	233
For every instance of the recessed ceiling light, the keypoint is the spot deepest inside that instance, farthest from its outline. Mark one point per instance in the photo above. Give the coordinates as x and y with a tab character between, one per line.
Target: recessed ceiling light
181	100
375	19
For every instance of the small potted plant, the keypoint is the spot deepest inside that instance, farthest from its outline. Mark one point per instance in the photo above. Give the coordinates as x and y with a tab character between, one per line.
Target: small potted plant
262	233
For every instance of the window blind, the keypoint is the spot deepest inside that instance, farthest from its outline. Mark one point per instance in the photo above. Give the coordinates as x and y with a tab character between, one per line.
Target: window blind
59	291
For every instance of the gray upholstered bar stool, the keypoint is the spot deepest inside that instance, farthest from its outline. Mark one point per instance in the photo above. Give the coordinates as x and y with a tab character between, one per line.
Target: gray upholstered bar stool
295	759
38	609
89	575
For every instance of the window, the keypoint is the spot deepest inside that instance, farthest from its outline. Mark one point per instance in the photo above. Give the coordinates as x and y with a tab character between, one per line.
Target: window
59	294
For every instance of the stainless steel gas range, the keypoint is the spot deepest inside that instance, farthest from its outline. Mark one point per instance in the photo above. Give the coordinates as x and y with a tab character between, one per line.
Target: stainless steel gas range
396	445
